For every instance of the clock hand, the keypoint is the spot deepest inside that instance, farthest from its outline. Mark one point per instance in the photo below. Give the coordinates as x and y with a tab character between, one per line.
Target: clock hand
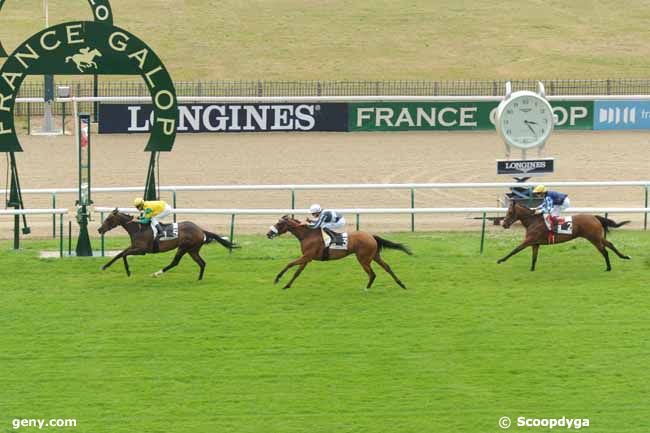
530	127
531	122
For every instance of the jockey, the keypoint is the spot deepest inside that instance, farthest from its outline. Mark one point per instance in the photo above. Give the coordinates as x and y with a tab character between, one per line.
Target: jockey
152	212
328	220
554	202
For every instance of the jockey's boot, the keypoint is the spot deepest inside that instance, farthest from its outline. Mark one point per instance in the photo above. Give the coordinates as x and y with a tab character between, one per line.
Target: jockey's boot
336	238
159	232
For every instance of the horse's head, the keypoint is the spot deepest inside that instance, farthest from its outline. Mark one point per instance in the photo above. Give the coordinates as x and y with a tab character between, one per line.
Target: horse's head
113	220
515	213
282	226
511	216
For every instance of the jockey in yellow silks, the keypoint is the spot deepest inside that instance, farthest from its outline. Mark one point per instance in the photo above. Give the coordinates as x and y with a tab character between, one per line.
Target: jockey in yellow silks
152	212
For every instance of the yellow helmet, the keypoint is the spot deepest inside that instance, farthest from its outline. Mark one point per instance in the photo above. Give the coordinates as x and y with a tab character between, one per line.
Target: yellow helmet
540	189
138	202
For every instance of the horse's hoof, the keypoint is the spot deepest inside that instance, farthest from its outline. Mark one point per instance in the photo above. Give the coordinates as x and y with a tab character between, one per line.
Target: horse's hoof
627	257
103	268
157	274
285	287
608	270
499	262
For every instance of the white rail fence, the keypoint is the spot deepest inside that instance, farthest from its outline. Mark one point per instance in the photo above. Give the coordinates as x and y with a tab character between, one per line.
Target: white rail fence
17	213
293	188
356	211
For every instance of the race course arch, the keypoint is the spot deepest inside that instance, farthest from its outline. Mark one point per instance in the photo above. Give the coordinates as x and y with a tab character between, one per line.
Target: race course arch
89	47
101	11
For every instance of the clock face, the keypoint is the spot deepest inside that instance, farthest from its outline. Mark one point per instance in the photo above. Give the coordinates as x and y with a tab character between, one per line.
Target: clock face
525	120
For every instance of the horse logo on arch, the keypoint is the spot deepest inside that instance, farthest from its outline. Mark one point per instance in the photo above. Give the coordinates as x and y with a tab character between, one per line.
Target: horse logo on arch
85	58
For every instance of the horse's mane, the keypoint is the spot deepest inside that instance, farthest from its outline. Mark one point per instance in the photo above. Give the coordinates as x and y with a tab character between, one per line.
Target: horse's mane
294	221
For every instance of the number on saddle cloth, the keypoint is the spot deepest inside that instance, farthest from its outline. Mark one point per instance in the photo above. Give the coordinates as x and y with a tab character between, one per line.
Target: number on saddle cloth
168	231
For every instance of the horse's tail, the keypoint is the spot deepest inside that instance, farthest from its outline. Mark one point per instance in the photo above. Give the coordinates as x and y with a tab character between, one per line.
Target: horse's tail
607	223
67	59
210	237
384	243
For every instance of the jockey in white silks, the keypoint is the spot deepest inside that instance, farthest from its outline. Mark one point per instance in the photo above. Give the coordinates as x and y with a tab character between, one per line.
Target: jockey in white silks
329	220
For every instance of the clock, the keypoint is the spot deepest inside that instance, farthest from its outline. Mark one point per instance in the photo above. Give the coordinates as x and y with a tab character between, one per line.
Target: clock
525	120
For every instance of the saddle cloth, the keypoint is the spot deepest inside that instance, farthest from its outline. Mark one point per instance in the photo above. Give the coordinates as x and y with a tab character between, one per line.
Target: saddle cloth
169	231
564	225
340	244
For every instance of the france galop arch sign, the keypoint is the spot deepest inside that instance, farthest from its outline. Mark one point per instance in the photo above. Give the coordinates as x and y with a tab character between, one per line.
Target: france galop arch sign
88	48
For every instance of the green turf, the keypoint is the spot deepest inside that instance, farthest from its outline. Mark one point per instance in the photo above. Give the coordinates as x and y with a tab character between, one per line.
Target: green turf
469	342
382	39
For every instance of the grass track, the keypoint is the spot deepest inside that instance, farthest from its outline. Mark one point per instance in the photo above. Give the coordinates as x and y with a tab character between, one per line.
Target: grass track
378	40
469	342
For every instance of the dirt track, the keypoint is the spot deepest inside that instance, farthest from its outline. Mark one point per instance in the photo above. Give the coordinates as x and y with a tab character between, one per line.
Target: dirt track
202	159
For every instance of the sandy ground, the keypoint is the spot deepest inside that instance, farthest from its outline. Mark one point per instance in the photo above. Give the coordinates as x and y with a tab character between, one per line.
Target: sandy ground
301	158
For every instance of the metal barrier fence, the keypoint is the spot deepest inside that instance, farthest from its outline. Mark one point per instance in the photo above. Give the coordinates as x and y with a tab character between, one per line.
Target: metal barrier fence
84	88
17	213
404	211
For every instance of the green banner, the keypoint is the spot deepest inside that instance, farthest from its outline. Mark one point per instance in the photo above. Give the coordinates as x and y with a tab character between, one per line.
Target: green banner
452	116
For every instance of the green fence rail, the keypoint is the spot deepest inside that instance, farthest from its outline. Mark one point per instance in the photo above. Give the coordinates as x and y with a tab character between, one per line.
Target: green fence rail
34	89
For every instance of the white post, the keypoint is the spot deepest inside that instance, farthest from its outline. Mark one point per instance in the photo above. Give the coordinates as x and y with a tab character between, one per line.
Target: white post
48	120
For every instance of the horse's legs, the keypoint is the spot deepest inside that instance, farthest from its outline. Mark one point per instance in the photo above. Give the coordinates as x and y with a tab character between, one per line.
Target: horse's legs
611	246
521	246
535	248
365	264
199	261
387	268
114	259
126	266
600	246
177	258
298	261
298	271
122	255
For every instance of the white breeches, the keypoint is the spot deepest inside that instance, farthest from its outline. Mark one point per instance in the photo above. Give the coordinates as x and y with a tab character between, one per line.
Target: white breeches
337	226
560	208
156	220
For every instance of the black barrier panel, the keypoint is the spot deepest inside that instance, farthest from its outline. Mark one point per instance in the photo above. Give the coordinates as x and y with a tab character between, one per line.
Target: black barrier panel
137	118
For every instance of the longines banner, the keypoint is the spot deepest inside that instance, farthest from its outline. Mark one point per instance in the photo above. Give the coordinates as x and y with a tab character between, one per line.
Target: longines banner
339	117
137	118
447	116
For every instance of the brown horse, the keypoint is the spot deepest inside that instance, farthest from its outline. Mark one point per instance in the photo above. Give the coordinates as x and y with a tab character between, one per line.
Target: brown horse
190	240
366	247
590	227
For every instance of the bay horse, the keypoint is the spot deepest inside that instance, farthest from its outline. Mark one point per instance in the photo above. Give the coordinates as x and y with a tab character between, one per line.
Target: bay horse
367	248
590	227
190	240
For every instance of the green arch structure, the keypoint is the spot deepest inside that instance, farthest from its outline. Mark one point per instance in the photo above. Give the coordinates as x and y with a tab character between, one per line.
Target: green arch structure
102	12
88	47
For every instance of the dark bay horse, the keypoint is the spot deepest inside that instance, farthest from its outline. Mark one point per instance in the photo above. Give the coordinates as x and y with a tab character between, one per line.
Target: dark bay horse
190	240
590	227
366	247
